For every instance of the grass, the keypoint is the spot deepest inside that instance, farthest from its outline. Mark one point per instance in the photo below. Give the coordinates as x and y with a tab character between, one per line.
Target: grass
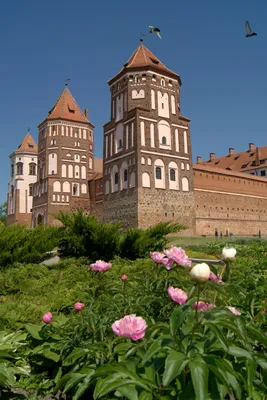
198	240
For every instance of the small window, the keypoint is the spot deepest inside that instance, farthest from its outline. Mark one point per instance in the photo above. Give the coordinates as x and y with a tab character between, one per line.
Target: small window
166	214
71	109
162	82
162	106
120	144
263	173
172	174
53	172
164	140
75	190
12	170
19	169
116	178
125	175
158	173
30	190
32	169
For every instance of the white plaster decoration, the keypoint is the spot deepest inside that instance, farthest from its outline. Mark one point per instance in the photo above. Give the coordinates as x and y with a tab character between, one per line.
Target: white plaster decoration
173	104
185	184
132	134
149	161
119	138
177	144
83	188
132	180
143	160
188	167
163	105
127	137
70	171
143	137
52	164
159	174
146	180
138	94
64	171
66	187
152	135
124	176
153	99
114	179
83	172
185	142
173	176
56	186
164	132
107	187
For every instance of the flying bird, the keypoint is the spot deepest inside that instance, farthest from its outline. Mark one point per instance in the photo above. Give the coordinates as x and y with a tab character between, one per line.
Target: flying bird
249	31
155	30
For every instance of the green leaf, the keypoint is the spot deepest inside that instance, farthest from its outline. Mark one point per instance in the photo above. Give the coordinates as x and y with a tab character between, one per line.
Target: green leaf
239	352
199	375
74	380
257	334
74	356
51	355
218	334
34	331
261	361
129	392
110	384
251	370
153	349
174	365
84	385
177	318
145	396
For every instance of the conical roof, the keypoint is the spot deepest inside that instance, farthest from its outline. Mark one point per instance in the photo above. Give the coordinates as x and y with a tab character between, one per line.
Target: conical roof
27	145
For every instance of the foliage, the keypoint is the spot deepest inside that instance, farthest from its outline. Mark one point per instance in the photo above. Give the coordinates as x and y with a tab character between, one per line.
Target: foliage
85	236
19	244
3	213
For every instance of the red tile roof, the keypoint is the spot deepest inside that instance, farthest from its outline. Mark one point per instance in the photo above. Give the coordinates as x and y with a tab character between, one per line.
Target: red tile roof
221	171
144	58
27	145
66	107
242	161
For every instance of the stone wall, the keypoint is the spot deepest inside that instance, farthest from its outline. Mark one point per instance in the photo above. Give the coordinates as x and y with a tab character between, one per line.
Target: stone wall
229	201
157	205
122	206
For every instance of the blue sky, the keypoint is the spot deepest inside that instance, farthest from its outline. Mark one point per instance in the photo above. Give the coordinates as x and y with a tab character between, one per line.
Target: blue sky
224	77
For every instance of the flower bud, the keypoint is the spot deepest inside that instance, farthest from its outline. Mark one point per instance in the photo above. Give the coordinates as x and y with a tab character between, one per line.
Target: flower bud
200	272
124	277
228	253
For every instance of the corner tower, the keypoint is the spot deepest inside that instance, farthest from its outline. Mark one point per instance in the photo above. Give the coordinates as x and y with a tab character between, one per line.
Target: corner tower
23	170
148	174
65	161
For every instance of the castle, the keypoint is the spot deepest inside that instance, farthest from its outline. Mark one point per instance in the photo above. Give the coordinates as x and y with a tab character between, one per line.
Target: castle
146	175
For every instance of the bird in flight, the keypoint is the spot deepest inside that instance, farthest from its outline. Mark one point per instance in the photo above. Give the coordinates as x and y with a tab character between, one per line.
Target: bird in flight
155	30
249	31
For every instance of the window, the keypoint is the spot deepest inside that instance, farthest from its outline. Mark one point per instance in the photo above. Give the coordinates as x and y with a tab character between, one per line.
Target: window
12	191
19	168
31	190
120	144
116	178
12	170
32	169
162	106
53	172
164	140
158	173
172	174
263	173
75	190
162	82
125	175
53	142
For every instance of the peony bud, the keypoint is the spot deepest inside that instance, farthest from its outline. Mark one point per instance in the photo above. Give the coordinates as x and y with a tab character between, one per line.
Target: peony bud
79	306
228	253
47	317
200	272
124	277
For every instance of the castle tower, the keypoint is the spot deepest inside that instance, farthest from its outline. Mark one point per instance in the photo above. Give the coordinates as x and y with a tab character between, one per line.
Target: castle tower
147	156
23	174
65	161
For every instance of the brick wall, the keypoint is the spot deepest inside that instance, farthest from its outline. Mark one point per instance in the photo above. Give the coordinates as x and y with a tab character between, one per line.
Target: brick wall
227	200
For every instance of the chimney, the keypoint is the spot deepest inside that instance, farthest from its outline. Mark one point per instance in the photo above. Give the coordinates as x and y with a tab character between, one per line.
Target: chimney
258	157
199	160
251	146
86	112
231	151
212	156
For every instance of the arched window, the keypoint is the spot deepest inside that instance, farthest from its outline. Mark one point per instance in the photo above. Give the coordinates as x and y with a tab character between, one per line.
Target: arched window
164	140
162	82
164	132
143	160
66	187
125	175
19	168
158	173
145	180
116	178
75	189
120	144
56	186
32	169
136	79
172	174
64	171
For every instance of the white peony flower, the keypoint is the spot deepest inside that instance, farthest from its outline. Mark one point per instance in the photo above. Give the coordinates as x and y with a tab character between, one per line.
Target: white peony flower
200	272
228	253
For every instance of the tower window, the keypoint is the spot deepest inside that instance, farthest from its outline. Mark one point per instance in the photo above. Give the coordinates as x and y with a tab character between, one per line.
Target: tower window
162	106
12	170
31	190
116	178
32	169
158	173
71	109
75	189
53	142
120	144
12	191
172	174
125	175
164	140
162	82
19	168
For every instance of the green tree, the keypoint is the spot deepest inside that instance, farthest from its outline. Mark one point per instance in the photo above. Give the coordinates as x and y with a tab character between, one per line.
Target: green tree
3	212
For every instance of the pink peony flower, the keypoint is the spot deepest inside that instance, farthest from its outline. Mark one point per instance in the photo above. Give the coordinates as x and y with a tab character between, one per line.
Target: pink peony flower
233	310
124	277
100	266
168	263
47	317
177	295
79	306
202	306
130	326
157	257
215	278
178	255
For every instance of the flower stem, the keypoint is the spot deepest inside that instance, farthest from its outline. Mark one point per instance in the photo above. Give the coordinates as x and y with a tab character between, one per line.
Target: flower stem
196	313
